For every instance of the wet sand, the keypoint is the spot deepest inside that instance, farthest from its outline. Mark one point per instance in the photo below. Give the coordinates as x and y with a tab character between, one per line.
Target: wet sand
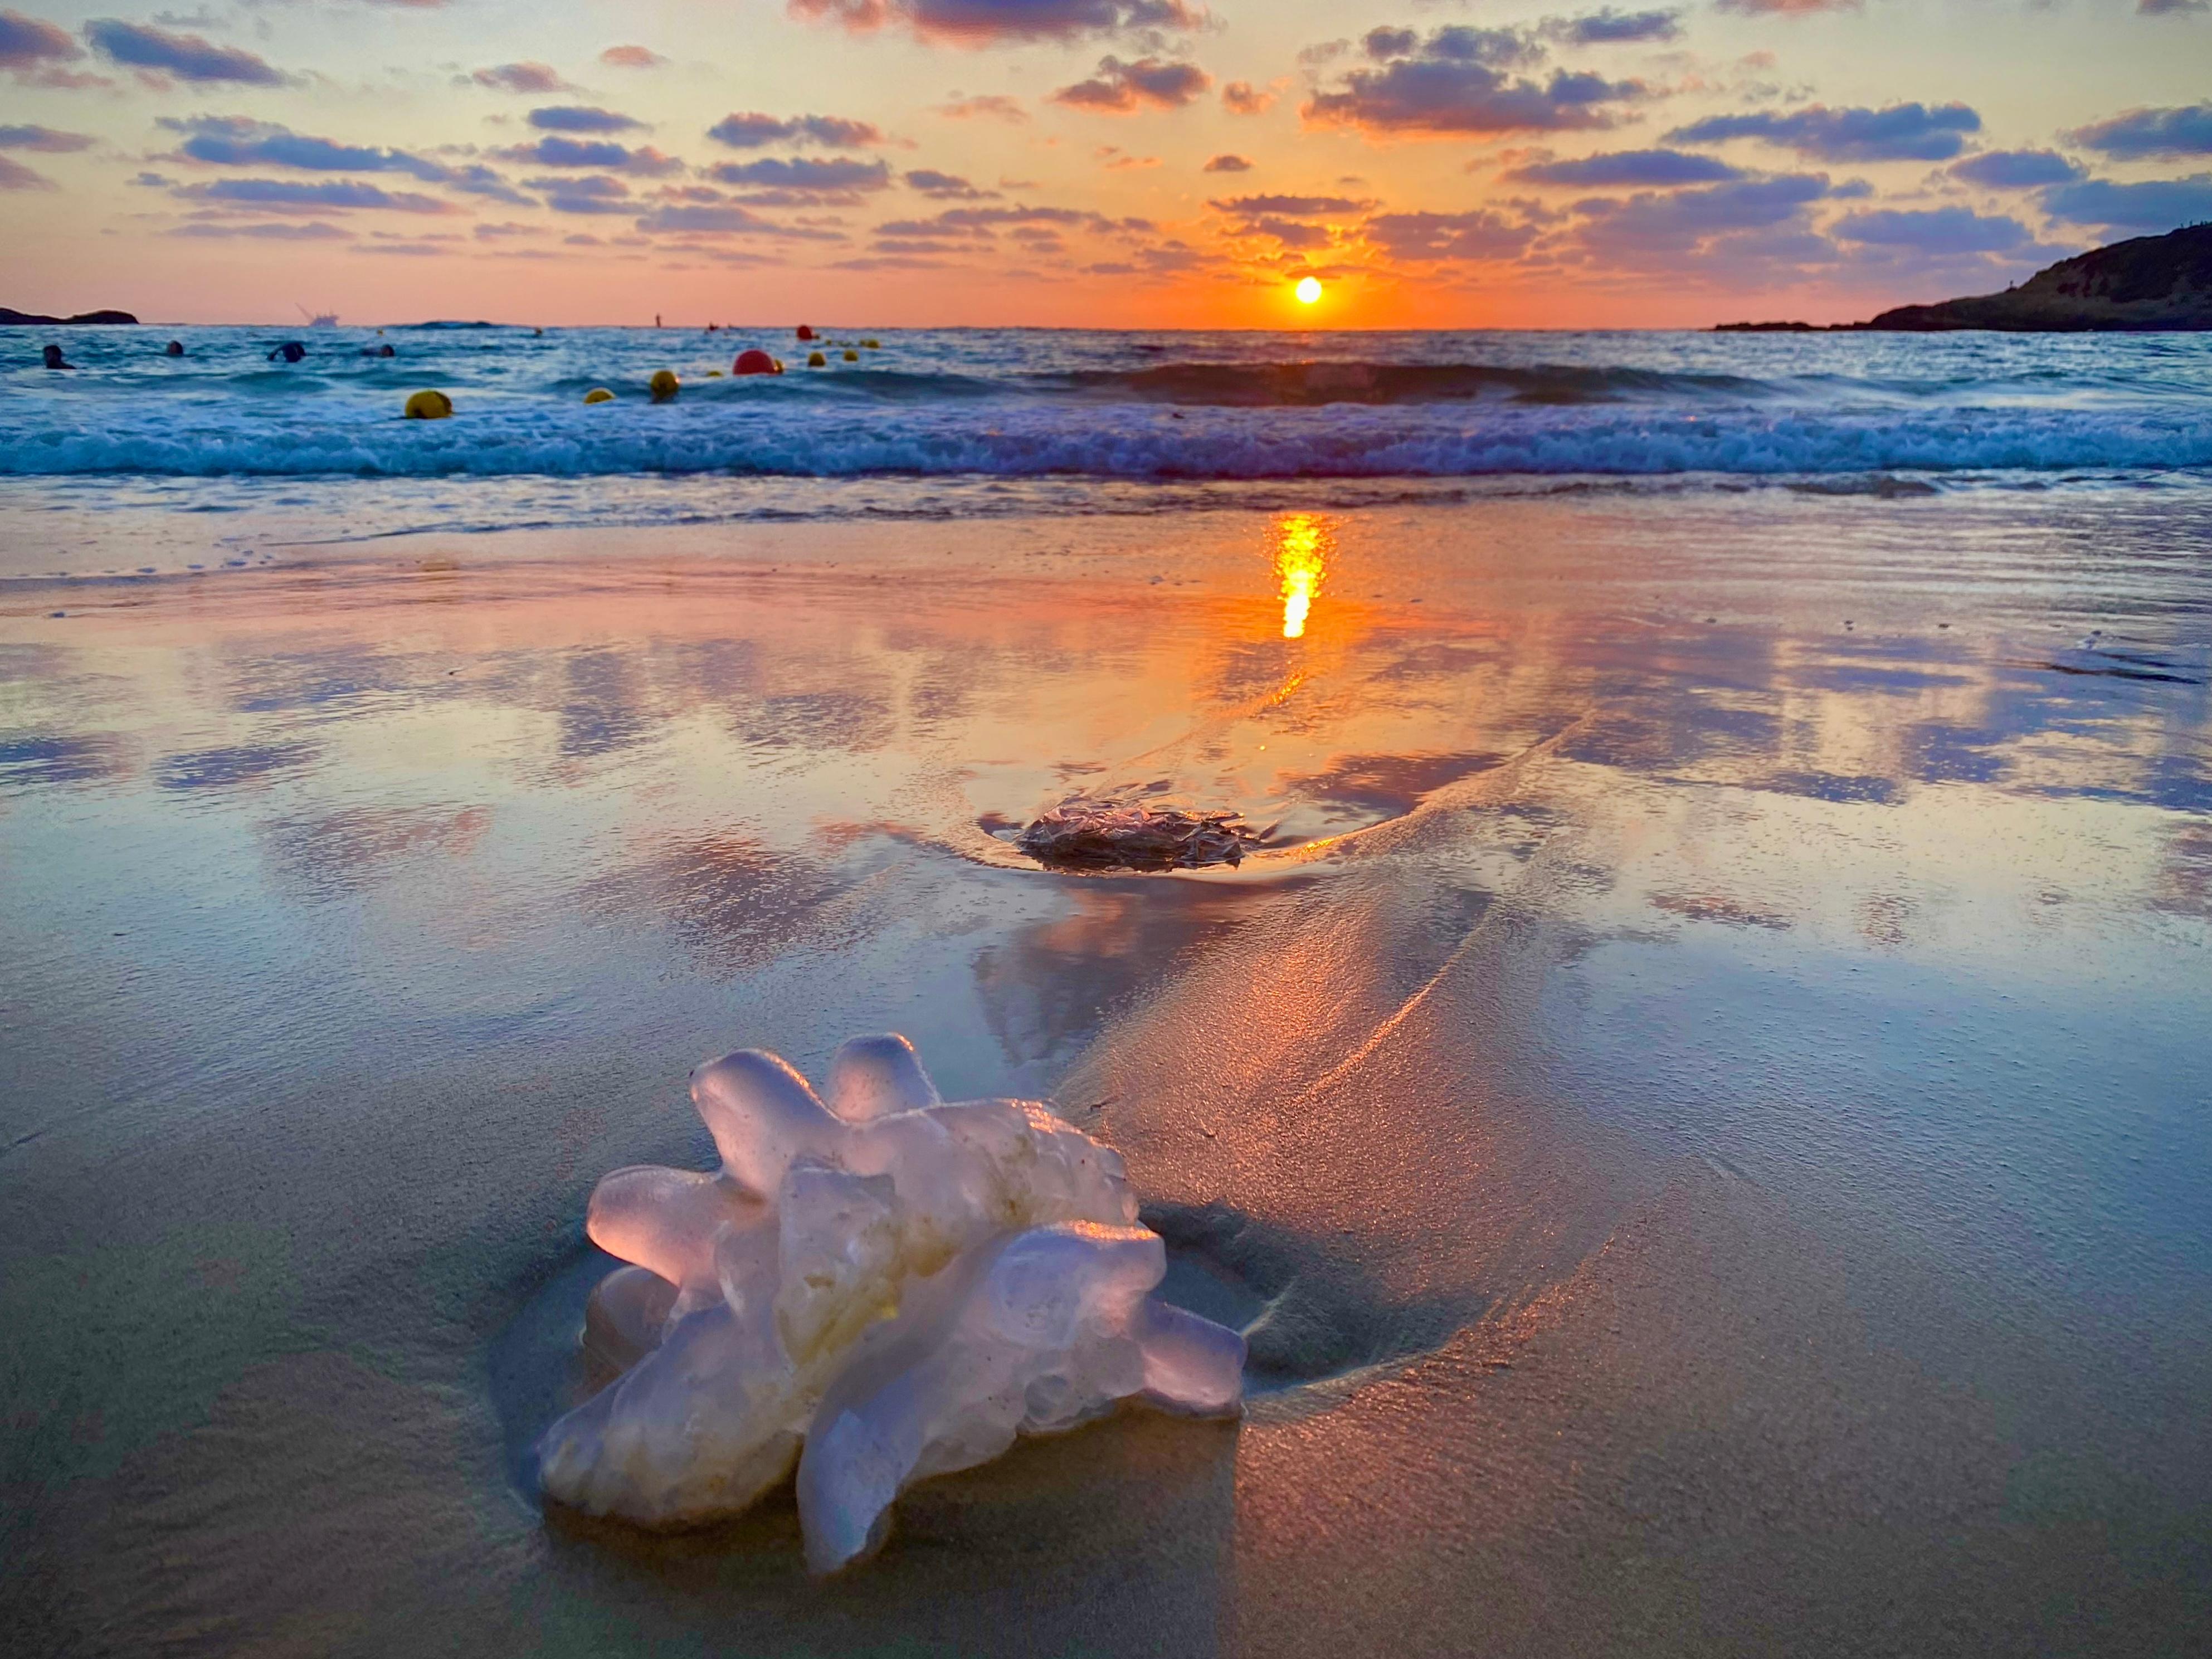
1707	1086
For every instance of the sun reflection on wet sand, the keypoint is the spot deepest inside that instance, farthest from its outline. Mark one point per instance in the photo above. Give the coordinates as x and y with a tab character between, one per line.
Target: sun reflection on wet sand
1303	544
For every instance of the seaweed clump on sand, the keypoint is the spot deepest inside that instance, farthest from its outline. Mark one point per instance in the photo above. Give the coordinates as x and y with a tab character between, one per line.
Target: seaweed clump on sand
1081	835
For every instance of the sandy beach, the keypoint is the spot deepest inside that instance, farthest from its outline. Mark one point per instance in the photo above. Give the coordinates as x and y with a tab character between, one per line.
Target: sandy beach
1705	1084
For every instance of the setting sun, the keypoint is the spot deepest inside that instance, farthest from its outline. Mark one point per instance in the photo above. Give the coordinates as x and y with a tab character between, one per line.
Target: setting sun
1309	290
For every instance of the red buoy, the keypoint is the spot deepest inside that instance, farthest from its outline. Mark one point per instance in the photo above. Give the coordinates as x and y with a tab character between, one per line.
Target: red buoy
753	362
805	332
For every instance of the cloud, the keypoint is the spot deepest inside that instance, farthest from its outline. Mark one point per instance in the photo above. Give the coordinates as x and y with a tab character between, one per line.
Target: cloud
44	139
1629	168
1934	230
1122	88
187	57
2015	169
290	195
644	161
1609	27
14	175
1728	228
1455	81
982	22
1902	132
524	76
987	106
1428	237
753	131
30	45
581	117
313	231
631	57
810	175
982	224
477	180
594	193
1788	8
1227	164
238	141
2141	132
722	221
1242	98
1288	207
946	186
2159	204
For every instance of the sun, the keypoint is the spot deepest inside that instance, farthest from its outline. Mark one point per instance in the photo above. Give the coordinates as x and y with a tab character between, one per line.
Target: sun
1307	290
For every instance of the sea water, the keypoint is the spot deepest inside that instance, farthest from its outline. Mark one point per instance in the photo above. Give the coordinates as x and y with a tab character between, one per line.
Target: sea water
956	422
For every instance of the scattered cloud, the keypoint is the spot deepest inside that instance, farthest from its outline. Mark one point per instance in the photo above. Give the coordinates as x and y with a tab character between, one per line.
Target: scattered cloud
1457	82
1901	132
1628	168
946	186
1788	8
2148	132
2155	206
1610	27
592	193
581	117
2015	169
631	57
238	141
315	230
186	56
293	195
750	130
44	139
644	161
14	175
1120	89
722	221
809	176
1288	207
984	22
985	106
33	50
1242	98
1934	230
1475	237
1226	163
525	77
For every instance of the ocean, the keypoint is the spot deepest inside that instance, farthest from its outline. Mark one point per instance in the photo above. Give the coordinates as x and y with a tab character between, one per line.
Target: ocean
956	423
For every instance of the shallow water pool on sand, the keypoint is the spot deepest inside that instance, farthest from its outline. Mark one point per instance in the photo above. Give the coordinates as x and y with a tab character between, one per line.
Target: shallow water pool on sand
1704	1092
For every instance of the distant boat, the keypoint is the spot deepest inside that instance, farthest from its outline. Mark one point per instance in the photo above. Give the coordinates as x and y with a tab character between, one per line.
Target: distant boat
327	319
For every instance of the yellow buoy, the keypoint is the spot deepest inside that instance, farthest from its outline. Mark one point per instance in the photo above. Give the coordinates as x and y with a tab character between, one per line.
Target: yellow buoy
713	373
816	359
852	357
429	406
873	345
664	386
598	394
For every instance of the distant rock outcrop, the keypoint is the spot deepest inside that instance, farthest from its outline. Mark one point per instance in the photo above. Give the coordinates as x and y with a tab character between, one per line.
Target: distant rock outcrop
32	319
2148	282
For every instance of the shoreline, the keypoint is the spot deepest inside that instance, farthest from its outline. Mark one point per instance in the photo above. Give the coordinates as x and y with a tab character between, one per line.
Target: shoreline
1675	1112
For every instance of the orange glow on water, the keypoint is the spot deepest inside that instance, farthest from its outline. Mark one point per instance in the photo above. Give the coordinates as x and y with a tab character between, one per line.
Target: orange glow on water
1303	544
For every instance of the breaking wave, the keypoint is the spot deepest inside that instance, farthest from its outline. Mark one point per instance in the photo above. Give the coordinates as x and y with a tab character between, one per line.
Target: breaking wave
1121	442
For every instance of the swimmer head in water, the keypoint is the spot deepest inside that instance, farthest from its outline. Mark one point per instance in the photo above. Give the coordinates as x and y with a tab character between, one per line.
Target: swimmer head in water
174	348
55	360
291	351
